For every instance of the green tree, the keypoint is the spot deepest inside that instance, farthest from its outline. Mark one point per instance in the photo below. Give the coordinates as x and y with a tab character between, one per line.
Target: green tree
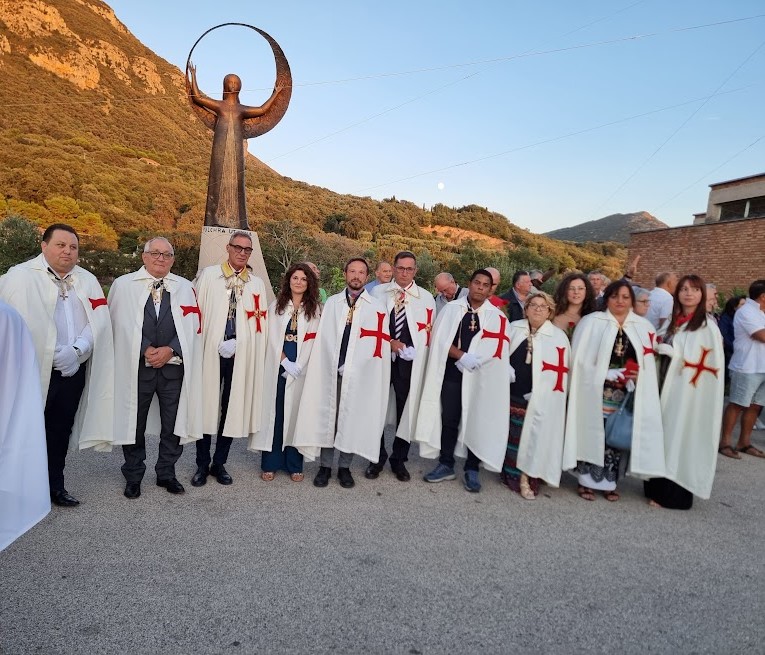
19	241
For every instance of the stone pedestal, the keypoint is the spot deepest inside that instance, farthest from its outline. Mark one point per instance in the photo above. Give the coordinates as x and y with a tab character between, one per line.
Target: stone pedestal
212	250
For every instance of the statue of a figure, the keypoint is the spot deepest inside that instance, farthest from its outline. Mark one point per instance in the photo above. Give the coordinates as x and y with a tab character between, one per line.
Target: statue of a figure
232	122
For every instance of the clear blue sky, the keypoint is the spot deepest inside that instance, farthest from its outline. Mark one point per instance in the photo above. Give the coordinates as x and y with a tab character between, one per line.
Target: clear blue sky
374	133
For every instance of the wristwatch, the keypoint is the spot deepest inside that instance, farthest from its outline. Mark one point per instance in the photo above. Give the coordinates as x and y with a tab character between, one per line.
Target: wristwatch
78	351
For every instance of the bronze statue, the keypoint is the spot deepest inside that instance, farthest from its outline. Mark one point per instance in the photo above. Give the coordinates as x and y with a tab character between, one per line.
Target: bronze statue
232	122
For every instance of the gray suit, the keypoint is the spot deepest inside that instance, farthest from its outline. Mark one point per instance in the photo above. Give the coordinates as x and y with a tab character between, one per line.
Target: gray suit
441	302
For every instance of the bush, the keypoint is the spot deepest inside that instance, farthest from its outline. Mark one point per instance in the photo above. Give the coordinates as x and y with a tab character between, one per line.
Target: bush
19	241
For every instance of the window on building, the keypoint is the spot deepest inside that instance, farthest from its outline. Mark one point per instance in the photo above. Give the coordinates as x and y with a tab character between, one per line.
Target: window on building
750	208
757	207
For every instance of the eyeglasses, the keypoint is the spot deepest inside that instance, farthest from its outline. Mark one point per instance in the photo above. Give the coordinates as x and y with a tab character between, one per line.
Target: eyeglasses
155	254
538	307
240	249
644	302
405	269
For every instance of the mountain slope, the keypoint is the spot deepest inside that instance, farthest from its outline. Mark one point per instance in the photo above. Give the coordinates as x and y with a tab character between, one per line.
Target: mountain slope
616	227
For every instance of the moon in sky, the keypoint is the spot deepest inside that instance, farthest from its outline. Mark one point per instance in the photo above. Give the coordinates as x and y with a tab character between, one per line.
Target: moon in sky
440	186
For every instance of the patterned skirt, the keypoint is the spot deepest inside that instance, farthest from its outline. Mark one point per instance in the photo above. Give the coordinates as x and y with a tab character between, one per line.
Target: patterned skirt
511	474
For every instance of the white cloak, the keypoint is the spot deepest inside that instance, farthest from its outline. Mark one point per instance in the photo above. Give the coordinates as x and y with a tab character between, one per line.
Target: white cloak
24	492
591	349
293	391
242	417
28	288
540	453
127	299
692	407
485	392
366	379
420	317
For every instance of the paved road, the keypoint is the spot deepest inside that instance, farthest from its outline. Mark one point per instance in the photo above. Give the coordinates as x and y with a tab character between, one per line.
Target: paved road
386	567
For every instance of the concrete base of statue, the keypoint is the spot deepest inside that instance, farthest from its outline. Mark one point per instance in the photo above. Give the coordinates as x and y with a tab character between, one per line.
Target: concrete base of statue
212	250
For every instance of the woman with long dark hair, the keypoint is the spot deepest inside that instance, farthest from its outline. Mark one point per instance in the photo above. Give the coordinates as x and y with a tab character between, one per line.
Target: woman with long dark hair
292	322
691	400
574	297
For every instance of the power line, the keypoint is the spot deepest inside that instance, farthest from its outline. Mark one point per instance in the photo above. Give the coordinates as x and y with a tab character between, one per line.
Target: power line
550	140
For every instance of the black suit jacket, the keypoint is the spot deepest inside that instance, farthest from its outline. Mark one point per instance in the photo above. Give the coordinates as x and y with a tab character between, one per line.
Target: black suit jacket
159	331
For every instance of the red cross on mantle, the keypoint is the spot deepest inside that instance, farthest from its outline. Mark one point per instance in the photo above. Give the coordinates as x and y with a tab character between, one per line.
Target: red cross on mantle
256	313
379	335
193	309
427	326
650	350
560	369
97	302
500	336
700	366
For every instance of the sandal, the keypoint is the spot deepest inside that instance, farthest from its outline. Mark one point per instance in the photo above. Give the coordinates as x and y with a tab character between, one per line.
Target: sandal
751	450
297	477
611	496
728	451
585	493
526	492
267	476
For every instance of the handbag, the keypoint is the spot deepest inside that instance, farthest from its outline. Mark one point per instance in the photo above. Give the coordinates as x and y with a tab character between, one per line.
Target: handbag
619	426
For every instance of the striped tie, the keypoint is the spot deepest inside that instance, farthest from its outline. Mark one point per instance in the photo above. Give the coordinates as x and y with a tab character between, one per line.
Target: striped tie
400	316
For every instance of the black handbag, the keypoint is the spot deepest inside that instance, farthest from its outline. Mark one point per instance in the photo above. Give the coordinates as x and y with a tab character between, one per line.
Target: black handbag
619	426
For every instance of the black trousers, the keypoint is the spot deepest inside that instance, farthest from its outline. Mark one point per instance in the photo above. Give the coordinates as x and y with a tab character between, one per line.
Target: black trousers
168	393
222	444
400	378
60	407
451	413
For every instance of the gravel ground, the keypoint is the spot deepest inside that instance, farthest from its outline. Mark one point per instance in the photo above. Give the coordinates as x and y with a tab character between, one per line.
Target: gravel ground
386	567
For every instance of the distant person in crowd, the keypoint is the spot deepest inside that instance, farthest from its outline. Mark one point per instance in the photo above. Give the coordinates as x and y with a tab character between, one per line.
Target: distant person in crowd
516	296
711	302
64	307
574	298
411	311
726	328
347	378
447	290
317	273
660	309
293	322
467	383
539	354
612	354
158	352
233	304
642	301
691	400
494	299
747	374
383	275
25	496
597	280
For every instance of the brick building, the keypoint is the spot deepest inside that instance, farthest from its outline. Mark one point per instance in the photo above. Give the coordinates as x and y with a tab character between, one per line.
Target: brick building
725	245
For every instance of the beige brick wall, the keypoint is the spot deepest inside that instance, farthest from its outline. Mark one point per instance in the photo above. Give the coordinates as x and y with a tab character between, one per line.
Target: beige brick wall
730	254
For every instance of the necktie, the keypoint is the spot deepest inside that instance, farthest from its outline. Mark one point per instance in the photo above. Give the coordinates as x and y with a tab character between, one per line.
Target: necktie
400	313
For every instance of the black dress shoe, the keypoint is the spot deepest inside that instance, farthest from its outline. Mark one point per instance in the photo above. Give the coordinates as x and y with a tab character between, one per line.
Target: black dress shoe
322	477
200	477
221	475
63	499
373	472
172	485
345	478
402	475
132	490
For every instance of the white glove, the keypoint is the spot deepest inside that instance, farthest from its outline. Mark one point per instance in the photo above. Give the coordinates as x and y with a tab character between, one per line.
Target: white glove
512	374
66	360
226	349
470	362
664	349
408	353
527	396
341	370
615	374
293	368
459	366
630	386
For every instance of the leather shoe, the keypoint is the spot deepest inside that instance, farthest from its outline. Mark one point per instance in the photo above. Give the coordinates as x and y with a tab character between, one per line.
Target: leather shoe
221	475
345	478
200	477
62	498
402	475
373	472
322	477
172	485
132	490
